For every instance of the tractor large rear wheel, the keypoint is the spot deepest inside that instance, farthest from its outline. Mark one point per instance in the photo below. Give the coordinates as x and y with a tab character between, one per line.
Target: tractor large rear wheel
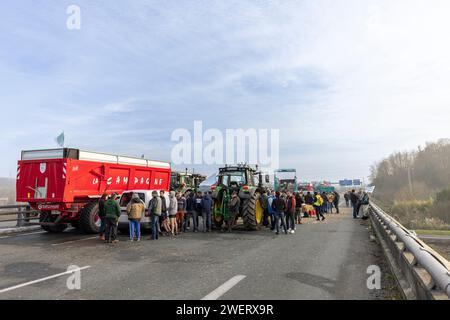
89	219
252	212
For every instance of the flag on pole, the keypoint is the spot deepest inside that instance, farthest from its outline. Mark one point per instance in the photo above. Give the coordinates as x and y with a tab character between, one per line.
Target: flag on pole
60	139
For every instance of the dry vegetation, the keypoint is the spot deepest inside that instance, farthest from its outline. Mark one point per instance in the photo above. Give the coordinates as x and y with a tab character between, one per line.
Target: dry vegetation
415	186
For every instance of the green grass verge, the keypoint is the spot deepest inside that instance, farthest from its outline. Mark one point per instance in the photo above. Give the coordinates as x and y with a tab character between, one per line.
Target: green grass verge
433	232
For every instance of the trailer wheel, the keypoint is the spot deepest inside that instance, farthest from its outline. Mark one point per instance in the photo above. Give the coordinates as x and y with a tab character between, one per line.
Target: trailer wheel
89	219
47	217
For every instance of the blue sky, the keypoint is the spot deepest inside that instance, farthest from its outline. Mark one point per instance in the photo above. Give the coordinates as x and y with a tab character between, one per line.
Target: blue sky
346	82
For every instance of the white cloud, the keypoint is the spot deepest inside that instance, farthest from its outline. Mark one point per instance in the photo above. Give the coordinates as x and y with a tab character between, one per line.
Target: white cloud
347	82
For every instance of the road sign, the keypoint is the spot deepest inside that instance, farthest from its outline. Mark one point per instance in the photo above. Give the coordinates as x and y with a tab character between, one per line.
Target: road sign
345	183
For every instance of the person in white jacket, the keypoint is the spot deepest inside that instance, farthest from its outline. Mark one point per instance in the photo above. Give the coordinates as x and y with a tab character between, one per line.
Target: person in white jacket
173	209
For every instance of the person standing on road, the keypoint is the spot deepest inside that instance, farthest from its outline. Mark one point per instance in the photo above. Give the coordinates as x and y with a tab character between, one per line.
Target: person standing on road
325	202
173	208
190	212
206	205
279	206
198	210
298	207
164	219
135	210
265	207
290	212
112	214
233	207
181	212
330	202
154	212
271	211
102	216
347	199
365	205
354	199
336	200
318	206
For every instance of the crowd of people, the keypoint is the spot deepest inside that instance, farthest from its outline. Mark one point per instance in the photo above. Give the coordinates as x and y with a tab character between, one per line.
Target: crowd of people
359	201
182	212
286	209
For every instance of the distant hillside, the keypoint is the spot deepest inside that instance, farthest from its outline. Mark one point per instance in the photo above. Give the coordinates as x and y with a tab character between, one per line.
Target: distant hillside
8	190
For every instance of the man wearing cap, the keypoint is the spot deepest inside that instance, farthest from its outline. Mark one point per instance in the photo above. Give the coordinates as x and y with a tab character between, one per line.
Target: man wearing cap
112	210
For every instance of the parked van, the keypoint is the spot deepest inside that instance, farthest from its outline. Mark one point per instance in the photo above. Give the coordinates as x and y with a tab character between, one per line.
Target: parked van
145	196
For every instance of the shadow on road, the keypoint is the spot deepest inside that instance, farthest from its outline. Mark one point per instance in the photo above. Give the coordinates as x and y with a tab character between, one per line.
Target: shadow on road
313	281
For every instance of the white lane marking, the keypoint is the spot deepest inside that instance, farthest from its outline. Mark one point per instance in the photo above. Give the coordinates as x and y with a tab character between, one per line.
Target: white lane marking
42	279
72	241
220	291
22	234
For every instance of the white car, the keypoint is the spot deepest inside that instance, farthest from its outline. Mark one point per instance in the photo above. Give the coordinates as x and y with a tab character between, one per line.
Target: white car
145	196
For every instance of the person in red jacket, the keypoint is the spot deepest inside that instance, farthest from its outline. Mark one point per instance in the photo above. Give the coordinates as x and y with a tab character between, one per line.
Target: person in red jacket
290	212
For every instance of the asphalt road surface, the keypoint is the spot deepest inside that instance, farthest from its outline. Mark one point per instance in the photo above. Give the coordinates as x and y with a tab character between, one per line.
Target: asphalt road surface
322	260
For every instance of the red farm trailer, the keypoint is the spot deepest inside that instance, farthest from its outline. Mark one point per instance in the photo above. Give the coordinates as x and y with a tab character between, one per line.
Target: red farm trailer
64	185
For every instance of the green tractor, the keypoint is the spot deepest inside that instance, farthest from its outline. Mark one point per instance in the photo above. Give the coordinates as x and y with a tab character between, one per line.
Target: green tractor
185	182
286	180
241	179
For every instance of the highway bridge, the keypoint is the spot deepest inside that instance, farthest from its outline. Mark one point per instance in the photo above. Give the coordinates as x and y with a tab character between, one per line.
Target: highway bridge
339	258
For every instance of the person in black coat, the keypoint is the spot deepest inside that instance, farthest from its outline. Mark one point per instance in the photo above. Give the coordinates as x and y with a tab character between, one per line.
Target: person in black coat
279	206
309	199
190	212
354	199
102	216
198	210
299	201
336	199
207	205
347	199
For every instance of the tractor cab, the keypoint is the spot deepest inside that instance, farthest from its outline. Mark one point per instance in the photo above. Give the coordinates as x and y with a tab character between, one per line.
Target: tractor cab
234	177
185	181
197	179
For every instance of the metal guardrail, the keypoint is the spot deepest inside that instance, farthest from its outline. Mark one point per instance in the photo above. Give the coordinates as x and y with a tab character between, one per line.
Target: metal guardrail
23	212
421	272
